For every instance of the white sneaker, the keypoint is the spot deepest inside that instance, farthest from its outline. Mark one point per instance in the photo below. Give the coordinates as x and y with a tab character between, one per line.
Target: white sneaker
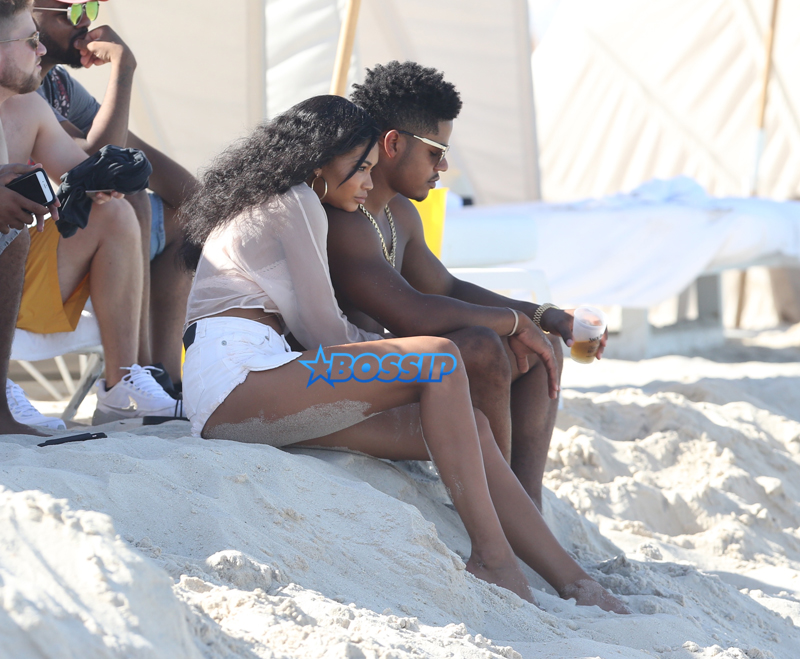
24	412
135	396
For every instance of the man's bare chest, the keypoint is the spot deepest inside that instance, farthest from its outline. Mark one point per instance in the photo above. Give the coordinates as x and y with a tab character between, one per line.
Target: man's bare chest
20	136
393	237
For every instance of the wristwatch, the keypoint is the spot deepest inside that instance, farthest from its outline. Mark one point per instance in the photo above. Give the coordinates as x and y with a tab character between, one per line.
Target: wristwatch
537	316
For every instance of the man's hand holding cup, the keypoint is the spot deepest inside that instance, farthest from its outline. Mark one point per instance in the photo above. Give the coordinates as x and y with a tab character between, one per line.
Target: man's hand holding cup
562	323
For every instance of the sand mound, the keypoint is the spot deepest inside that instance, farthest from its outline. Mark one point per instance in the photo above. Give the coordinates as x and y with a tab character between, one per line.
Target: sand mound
72	588
680	497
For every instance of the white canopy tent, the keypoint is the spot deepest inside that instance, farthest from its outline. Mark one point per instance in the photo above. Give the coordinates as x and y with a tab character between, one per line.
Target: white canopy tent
628	90
209	71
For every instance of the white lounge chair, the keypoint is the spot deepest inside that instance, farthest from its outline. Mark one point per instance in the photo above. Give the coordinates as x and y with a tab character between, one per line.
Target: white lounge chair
85	341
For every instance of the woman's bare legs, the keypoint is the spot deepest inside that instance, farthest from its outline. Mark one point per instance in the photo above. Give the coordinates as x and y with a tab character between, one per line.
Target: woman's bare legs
494	507
398	433
530	536
280	401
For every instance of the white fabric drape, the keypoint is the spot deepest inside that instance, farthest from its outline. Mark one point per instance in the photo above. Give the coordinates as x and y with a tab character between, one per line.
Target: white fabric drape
639	249
628	90
191	108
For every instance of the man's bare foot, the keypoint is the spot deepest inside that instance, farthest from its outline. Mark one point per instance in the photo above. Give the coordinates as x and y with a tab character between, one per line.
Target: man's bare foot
508	576
9	426
587	592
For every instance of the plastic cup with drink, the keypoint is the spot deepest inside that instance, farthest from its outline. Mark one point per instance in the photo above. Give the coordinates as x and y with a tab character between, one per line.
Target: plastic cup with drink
588	327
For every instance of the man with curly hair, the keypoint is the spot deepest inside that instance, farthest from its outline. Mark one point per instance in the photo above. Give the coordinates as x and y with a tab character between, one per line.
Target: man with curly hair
386	277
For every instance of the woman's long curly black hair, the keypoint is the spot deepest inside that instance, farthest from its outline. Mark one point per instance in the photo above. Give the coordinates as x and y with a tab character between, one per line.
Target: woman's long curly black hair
277	155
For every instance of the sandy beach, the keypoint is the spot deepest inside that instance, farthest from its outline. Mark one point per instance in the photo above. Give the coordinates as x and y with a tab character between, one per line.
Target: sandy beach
674	481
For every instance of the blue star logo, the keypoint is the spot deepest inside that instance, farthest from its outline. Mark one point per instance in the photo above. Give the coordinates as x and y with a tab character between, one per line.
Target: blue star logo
320	368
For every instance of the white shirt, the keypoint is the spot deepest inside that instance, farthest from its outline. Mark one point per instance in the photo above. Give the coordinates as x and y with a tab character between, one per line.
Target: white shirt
275	258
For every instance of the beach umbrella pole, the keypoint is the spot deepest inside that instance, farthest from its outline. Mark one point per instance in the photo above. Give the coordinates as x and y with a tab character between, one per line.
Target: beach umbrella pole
762	106
761	138
344	51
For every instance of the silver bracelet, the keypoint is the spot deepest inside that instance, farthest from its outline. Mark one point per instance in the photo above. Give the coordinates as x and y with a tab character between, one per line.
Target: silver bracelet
516	321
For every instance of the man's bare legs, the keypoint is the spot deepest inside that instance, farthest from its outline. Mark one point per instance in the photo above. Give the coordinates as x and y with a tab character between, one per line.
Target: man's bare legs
12	274
533	418
144	214
169	295
170	284
109	249
518	406
461	446
165	291
490	376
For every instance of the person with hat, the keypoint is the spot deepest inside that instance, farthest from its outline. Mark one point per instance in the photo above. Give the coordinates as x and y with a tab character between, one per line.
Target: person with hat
65	27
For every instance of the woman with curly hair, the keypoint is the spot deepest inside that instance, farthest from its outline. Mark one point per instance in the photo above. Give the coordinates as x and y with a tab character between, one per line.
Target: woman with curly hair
256	235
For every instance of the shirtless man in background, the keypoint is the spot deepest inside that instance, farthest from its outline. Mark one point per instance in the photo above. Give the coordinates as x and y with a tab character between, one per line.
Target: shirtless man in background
20	73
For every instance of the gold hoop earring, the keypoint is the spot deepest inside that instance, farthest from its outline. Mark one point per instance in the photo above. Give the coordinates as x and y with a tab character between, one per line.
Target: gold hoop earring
326	187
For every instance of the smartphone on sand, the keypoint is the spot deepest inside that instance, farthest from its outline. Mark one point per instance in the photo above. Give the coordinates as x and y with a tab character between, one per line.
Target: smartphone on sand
56	441
34	186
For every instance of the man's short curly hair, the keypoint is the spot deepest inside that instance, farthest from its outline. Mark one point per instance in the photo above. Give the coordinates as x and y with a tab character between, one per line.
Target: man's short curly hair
10	8
407	96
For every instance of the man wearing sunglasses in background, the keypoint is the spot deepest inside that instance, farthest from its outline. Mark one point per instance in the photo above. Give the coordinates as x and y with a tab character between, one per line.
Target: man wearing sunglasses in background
102	260
65	31
412	293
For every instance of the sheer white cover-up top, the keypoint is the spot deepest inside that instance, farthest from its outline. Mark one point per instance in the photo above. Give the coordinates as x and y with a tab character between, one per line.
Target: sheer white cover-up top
275	258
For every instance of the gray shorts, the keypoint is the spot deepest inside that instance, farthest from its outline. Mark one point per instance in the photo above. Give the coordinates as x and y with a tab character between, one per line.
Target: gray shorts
7	238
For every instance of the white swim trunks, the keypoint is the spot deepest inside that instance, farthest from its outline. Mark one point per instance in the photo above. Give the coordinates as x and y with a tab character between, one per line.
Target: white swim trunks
224	351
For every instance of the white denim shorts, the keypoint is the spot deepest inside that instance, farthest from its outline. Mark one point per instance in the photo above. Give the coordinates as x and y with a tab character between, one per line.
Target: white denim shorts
224	351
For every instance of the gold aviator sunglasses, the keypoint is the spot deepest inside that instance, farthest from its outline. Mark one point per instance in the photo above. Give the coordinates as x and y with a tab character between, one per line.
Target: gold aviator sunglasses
33	40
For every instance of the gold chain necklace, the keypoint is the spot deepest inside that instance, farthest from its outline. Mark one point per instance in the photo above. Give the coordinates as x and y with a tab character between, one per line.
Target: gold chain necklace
390	256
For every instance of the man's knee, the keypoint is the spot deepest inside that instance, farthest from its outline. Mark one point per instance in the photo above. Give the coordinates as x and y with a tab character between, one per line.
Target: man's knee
115	218
112	223
483	353
434	344
535	363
